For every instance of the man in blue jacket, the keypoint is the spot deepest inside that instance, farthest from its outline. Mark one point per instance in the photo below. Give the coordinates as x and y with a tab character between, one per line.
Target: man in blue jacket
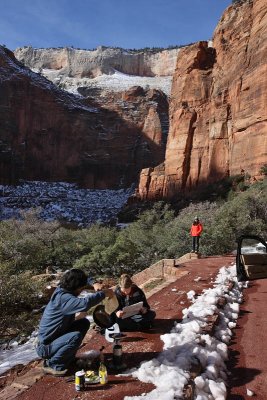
60	335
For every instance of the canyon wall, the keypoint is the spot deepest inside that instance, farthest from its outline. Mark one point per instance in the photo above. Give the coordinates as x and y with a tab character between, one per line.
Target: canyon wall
103	60
109	69
112	122
49	134
218	112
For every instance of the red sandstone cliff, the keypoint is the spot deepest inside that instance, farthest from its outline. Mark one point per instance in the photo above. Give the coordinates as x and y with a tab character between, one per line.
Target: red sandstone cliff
48	134
218	107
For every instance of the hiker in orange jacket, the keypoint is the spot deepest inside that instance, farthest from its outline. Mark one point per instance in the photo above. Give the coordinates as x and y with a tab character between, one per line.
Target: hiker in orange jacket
196	230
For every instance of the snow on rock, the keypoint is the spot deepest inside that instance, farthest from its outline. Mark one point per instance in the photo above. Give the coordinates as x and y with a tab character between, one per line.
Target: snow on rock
185	344
72	101
62	201
18	354
116	82
111	69
250	393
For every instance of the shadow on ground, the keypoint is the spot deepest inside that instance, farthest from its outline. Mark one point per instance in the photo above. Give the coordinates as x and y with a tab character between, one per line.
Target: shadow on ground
242	376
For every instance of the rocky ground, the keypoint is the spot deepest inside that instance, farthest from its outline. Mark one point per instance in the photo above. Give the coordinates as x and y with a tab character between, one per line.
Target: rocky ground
62	201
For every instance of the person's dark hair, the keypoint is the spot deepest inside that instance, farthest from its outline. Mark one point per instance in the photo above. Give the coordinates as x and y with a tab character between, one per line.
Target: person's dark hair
73	279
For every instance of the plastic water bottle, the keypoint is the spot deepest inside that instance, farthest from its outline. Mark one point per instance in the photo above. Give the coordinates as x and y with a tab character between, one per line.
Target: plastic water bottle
103	374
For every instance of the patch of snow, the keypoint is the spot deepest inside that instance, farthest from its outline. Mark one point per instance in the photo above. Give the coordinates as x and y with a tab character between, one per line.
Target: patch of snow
116	82
18	354
185	344
62	201
191	294
210	43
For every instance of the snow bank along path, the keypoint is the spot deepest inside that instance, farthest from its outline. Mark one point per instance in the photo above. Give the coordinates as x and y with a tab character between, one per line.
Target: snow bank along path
185	345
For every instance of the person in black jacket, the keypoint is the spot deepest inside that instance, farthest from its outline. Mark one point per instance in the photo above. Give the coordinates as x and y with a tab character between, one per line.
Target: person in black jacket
127	294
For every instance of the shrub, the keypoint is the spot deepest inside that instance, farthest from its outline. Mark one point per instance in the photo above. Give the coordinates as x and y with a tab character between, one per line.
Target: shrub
263	170
32	244
148	236
18	297
26	244
244	214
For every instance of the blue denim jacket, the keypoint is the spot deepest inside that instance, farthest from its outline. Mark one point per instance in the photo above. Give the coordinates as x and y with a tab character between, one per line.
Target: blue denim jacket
60	313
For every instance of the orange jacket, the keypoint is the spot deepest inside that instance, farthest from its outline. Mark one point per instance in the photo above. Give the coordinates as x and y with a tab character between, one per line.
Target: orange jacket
196	229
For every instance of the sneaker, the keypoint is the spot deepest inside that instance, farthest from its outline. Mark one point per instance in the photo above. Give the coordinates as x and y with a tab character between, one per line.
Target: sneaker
55	372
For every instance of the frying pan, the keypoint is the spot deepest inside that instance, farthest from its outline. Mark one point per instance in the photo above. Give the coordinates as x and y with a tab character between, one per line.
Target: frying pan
102	318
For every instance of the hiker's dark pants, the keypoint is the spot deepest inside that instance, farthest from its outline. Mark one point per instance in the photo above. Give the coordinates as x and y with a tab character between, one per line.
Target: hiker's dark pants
195	243
61	351
139	324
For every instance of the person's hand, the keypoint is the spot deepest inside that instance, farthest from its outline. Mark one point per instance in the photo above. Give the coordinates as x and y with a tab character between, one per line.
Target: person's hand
97	286
119	313
109	293
80	315
143	310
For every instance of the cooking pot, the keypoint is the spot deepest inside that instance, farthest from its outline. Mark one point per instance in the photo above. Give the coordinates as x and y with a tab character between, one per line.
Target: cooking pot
102	318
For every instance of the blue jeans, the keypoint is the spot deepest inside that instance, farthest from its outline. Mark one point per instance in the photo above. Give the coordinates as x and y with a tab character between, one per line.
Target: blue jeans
61	351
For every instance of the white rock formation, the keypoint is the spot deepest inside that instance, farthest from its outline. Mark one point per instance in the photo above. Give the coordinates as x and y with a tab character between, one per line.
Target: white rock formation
111	69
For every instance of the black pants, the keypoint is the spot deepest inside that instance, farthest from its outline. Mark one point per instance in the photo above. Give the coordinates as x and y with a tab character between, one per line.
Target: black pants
129	324
195	243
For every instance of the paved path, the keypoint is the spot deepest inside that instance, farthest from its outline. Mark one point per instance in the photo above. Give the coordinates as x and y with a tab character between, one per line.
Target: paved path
248	351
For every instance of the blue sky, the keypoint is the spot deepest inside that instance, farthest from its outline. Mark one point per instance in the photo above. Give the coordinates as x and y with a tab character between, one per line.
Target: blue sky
119	23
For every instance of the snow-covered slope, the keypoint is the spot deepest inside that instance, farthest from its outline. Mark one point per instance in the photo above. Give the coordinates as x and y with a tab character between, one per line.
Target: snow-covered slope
115	82
62	201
